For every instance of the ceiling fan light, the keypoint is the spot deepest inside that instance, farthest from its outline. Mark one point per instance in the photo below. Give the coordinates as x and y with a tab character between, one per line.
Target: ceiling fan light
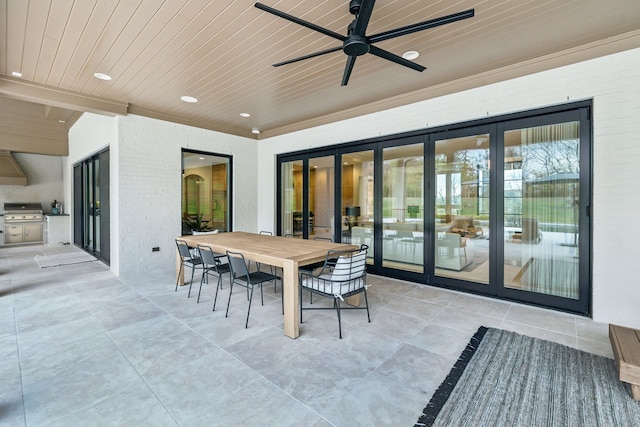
410	55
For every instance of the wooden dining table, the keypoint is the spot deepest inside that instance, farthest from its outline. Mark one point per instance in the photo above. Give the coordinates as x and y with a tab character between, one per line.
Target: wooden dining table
283	252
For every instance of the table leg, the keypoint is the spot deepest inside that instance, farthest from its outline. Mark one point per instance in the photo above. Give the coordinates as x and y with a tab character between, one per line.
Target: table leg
291	299
353	300
181	278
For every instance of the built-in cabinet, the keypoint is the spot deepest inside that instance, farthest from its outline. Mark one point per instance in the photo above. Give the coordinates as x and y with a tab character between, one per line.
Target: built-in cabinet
58	229
23	233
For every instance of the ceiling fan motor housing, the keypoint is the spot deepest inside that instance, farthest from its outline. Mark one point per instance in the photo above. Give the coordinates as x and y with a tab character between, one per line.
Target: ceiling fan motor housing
355	45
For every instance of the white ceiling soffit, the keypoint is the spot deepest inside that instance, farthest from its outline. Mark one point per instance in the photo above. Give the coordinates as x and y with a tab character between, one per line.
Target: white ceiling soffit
221	52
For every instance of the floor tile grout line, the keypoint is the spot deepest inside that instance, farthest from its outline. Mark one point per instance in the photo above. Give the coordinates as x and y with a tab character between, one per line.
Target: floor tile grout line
224	351
18	354
106	332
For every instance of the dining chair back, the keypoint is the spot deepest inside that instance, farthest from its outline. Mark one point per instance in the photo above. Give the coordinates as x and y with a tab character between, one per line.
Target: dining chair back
240	275
214	265
188	258
343	275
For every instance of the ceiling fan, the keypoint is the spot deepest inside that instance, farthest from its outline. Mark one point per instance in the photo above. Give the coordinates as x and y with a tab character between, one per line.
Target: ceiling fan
357	43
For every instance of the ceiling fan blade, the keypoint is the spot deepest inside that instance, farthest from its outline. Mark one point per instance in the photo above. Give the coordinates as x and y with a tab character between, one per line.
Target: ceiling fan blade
363	17
351	60
421	26
395	58
311	55
300	21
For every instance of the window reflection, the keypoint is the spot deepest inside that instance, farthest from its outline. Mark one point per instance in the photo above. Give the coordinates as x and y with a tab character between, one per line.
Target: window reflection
462	208
357	200
403	207
541	215
205	192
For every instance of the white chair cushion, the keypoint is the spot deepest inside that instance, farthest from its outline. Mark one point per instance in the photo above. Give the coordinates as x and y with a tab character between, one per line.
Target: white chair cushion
196	233
346	276
348	268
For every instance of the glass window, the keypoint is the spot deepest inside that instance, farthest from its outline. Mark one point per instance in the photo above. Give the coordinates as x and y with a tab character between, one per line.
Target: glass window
206	192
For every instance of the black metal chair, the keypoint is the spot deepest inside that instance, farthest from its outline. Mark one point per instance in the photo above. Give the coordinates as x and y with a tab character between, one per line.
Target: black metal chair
213	265
343	275
258	265
187	259
308	269
240	275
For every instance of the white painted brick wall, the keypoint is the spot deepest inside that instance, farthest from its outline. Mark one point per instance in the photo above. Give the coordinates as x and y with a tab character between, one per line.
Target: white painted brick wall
150	186
613	82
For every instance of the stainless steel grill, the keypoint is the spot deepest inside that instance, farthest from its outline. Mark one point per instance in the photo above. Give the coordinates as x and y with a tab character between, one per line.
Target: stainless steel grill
23	223
22	212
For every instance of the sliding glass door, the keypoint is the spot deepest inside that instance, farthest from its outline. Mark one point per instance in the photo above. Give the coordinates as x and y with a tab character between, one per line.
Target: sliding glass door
499	207
91	206
307	198
403	207
544	206
461	207
358	207
320	214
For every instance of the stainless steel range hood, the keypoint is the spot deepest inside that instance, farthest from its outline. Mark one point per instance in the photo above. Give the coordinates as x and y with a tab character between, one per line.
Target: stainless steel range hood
10	172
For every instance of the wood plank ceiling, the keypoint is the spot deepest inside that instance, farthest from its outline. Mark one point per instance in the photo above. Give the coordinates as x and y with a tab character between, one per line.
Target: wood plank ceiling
221	51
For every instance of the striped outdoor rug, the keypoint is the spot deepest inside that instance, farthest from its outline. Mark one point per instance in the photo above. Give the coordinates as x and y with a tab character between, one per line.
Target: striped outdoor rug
506	379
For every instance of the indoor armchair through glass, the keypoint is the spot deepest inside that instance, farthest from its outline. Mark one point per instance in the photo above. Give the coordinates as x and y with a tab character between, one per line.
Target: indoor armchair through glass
497	206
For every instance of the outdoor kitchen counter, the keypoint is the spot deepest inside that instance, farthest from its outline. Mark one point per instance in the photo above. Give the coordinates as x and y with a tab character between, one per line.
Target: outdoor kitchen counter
58	229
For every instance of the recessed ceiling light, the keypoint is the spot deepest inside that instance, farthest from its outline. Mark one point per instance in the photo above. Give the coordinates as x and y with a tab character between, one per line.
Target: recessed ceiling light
102	76
189	99
16	74
245	115
62	121
255	131
201	158
410	55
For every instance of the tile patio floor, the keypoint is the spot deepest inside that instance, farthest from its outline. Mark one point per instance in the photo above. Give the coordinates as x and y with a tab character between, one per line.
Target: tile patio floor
83	347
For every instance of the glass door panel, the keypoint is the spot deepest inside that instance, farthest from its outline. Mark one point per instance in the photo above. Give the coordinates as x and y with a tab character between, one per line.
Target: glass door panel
91	205
357	200
462	208
292	197
88	202
96	209
403	207
321	216
541	209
